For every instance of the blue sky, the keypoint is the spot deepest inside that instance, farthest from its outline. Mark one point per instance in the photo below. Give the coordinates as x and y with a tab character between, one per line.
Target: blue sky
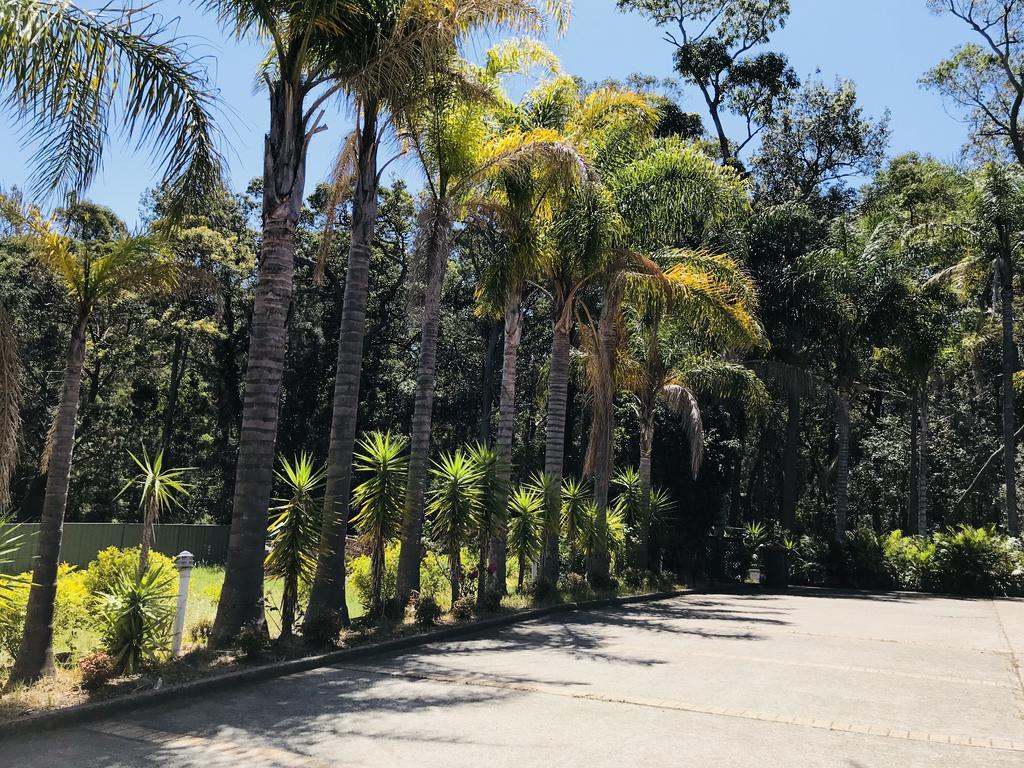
884	46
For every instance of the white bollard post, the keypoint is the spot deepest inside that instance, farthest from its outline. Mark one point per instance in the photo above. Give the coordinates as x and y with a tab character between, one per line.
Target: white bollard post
183	562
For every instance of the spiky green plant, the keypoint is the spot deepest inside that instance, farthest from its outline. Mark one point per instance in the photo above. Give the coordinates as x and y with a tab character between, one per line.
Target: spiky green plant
161	490
454	505
294	532
10	540
494	472
576	498
381	459
525	527
135	618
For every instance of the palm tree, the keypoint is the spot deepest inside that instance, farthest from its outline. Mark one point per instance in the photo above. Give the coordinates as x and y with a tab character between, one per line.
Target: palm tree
459	149
10	406
408	44
455	505
493	499
576	502
378	500
314	47
95	275
69	73
525	528
293	533
161	489
862	275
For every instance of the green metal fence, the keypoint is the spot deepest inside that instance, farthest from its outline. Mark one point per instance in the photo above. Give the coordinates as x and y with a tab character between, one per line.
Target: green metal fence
81	542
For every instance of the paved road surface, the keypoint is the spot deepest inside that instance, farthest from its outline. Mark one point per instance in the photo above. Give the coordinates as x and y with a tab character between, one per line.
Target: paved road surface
806	679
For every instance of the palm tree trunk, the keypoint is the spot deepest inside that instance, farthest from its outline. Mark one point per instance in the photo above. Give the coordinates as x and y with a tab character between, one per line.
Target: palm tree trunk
842	461
327	595
35	655
506	425
437	248
914	469
602	430
922	463
790	454
1009	418
646	448
455	570
487	388
554	447
148	520
284	172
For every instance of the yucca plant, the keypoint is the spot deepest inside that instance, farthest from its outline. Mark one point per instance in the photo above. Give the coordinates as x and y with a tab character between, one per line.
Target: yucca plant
493	493
631	509
10	540
525	527
161	490
576	501
381	459
549	486
136	617
455	506
294	532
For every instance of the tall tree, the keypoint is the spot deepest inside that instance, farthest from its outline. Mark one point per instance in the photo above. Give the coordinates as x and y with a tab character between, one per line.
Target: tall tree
986	78
408	44
95	275
714	43
312	49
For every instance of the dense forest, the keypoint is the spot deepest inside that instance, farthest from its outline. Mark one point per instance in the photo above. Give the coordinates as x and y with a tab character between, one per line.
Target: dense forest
737	299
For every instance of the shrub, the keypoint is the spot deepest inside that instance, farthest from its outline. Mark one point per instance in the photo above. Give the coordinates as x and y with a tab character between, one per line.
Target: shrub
135	618
103	573
98	669
253	640
323	629
574	585
862	561
462	609
808	556
491	601
200	631
907	559
71	613
426	611
361	577
972	561
541	589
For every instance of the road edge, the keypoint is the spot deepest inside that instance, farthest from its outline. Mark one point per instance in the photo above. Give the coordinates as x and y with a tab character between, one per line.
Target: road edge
83	713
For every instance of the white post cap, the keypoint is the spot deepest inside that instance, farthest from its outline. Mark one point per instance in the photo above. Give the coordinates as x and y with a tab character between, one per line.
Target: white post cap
184	560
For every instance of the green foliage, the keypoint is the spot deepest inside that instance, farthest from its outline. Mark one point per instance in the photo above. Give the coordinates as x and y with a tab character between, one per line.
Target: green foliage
252	640
72	616
525	526
293	532
908	559
575	586
462	609
426	611
454	507
200	631
974	561
135	618
360	577
112	564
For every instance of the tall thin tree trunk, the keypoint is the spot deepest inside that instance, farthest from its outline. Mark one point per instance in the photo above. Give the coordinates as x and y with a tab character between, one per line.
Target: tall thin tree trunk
377	566
455	571
327	594
912	482
506	426
481	567
842	460
284	172
922	463
487	388
646	449
148	521
790	453
35	655
1009	418
601	451
437	246
554	445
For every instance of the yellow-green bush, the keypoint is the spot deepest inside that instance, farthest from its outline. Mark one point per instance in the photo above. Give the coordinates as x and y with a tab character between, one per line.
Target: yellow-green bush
103	573
71	617
433	574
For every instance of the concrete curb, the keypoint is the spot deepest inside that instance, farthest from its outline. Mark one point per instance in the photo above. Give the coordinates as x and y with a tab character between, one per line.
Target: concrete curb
83	713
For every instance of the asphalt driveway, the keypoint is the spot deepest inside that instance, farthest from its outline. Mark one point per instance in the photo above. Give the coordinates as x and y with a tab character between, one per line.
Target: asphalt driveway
803	679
